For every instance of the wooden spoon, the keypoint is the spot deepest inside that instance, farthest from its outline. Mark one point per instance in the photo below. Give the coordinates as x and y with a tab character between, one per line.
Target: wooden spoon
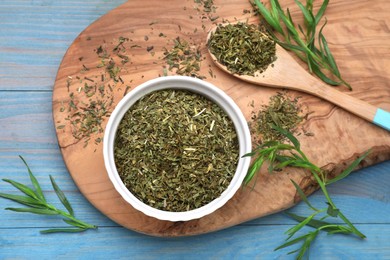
287	73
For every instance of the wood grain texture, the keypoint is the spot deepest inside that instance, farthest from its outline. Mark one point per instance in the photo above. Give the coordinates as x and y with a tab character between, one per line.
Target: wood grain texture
339	135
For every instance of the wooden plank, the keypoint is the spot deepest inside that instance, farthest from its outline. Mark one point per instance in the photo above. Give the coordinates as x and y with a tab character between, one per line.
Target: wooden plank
239	242
37	36
335	131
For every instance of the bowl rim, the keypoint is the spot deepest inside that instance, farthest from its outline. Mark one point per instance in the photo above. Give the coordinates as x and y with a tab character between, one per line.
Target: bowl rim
194	85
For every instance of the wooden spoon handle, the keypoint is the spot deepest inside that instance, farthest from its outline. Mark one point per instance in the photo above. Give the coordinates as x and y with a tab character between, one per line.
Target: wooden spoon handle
356	106
287	73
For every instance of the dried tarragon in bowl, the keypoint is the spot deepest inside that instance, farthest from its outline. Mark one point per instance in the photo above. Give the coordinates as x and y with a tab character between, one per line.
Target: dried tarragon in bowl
176	150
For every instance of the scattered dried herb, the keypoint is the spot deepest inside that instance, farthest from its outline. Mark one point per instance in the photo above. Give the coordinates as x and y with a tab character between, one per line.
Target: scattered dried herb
88	118
120	46
282	111
208	5
243	48
153	22
184	59
113	70
176	150
92	98
208	9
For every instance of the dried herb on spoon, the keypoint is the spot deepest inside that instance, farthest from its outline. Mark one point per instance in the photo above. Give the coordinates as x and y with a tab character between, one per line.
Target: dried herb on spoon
243	48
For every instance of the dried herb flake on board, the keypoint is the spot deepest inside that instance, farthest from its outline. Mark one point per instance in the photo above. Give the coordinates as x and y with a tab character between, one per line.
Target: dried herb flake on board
176	150
91	99
208	5
281	111
243	48
184	59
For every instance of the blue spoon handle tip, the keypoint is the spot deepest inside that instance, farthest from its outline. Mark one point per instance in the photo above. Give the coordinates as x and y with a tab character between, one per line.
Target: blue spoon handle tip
382	119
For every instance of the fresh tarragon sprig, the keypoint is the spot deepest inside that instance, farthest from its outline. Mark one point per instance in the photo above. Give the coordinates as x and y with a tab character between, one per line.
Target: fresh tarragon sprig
280	155
302	39
36	203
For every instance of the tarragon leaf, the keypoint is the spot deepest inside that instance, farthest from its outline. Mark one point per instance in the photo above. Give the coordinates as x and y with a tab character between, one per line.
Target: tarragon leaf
61	196
350	168
34	211
255	167
302	195
290	137
63	230
323	77
37	204
34	181
328	53
73	223
28	201
321	11
307	244
320	224
23	188
269	17
332	211
291	232
309	18
292	242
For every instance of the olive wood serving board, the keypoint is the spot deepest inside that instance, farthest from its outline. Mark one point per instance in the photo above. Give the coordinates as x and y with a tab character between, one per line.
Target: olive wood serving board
358	34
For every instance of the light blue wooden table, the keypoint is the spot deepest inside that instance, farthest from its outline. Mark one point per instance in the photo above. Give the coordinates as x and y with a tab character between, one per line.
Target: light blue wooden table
34	35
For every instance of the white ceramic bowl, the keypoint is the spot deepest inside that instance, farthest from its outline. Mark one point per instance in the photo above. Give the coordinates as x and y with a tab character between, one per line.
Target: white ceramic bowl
197	86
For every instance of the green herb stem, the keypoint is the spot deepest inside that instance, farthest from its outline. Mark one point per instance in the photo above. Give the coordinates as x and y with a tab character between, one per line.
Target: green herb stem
72	218
331	204
281	155
303	43
36	203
